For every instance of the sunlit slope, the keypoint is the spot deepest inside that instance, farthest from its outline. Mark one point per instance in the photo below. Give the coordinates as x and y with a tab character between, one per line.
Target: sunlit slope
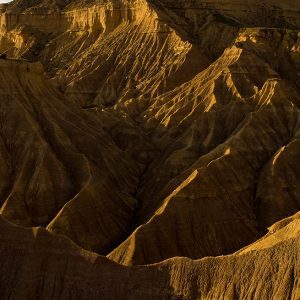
158	129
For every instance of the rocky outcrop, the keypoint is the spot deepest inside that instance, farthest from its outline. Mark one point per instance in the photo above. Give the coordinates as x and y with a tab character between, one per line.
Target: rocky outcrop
150	130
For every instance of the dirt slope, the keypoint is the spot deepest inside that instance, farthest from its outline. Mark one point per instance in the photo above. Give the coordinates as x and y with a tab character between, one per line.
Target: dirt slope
146	131
39	265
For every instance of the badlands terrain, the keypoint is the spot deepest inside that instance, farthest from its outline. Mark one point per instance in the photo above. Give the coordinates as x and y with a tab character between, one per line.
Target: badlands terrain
150	149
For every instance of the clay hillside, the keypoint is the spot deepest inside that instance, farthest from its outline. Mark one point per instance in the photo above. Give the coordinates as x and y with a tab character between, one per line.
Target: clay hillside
150	149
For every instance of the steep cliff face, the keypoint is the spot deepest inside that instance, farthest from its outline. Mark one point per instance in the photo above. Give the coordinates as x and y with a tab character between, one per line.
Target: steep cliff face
146	130
107	43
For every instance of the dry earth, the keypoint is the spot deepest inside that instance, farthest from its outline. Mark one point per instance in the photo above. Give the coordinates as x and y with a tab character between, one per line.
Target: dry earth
147	131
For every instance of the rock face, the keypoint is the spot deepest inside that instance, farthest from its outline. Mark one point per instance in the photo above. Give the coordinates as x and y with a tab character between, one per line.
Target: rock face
145	131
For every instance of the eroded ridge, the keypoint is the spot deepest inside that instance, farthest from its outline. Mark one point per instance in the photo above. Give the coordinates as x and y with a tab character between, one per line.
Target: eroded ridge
147	130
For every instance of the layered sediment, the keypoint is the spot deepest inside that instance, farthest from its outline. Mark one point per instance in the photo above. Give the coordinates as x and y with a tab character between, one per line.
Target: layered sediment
45	266
145	131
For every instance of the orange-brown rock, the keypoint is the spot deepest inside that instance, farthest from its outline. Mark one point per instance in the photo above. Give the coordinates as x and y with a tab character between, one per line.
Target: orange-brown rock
55	157
38	265
145	131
